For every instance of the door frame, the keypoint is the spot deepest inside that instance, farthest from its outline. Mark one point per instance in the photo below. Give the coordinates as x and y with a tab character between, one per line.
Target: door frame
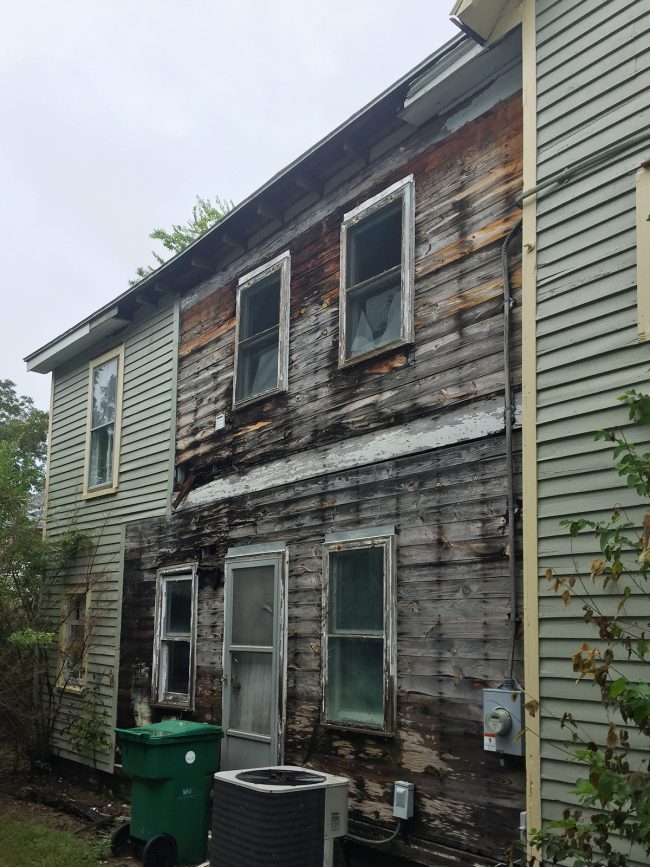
243	556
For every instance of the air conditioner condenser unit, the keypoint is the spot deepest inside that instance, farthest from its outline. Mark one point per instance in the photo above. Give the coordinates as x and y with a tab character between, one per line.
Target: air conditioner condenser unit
283	815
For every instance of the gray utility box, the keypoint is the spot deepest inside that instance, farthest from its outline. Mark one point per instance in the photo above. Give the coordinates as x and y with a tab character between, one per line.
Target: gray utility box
503	720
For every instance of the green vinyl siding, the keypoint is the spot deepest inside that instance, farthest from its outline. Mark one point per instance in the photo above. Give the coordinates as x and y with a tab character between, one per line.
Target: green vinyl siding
144	486
593	84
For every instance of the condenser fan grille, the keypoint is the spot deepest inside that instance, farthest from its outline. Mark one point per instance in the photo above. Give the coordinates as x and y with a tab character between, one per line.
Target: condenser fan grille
279	777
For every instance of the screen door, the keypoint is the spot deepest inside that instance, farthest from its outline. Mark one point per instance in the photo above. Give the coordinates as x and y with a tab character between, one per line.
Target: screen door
252	666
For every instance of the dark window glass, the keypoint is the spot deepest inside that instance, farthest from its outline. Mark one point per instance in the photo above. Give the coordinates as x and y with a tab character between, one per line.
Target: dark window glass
259	335
373	300
357	590
375	244
178	667
178	619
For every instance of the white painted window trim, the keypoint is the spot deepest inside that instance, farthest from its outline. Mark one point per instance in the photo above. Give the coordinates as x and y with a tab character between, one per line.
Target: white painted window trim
111	486
64	682
404	189
643	251
350	541
281	263
160	696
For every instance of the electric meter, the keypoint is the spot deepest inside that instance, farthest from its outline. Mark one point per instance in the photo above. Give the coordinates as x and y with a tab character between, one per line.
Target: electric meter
503	719
498	721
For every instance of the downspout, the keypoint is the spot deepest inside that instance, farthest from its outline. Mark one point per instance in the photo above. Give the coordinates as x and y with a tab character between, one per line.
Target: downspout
509	421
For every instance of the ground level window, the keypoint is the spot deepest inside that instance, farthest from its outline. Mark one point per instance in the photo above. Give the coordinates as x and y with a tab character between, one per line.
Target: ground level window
359	602
74	638
175	637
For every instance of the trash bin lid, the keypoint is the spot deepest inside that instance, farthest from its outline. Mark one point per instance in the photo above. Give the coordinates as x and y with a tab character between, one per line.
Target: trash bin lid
170	730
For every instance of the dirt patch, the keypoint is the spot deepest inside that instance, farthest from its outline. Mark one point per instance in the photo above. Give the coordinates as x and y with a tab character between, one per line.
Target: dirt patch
27	799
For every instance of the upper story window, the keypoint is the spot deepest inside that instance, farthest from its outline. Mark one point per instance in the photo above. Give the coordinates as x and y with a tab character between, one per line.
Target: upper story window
262	332
175	637
377	255
103	424
359	630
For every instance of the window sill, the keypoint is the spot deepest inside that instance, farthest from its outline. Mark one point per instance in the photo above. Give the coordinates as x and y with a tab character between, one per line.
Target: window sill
259	398
375	353
358	729
72	689
99	492
172	705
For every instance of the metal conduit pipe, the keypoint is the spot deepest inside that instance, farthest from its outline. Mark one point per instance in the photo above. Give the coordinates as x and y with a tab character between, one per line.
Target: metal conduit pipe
509	420
565	174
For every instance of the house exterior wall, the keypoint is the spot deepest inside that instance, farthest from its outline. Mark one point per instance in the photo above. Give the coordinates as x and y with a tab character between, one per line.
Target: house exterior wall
413	438
144	488
592	80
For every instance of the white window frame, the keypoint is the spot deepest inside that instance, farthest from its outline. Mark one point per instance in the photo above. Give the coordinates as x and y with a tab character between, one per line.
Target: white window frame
111	486
643	251
281	263
159	692
68	621
350	541
404	189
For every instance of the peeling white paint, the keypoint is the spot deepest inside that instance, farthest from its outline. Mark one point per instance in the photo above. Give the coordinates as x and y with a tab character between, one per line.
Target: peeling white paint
483	418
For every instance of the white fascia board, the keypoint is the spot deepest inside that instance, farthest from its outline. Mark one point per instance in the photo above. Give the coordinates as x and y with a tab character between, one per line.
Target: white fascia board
74	342
469	76
488	19
481	419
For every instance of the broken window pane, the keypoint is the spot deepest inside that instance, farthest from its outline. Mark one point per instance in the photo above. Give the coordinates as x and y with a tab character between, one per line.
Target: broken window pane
259	334
374	317
101	456
373	298
178	620
356	681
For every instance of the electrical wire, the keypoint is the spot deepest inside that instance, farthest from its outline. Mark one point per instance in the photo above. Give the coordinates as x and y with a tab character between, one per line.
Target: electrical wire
373	842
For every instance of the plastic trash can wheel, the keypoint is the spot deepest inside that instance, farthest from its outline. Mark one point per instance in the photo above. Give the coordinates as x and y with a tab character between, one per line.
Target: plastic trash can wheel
120	839
160	851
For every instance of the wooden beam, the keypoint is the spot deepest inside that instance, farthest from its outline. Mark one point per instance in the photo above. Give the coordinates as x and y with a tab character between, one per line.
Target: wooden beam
184	490
162	288
269	211
200	262
233	240
308	183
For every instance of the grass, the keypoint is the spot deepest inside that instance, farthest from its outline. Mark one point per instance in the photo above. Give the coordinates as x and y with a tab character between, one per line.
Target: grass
27	844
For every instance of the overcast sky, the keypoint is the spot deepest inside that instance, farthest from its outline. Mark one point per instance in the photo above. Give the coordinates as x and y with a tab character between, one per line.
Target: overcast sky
116	114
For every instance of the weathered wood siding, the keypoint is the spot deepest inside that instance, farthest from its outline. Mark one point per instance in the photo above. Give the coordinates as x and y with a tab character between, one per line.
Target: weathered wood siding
464	191
593	81
146	464
452	631
448	504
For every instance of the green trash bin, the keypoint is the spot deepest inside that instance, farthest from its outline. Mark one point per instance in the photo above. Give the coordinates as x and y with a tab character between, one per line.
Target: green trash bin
172	764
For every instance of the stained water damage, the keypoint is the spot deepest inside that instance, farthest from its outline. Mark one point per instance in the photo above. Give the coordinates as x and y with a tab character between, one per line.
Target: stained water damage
401	451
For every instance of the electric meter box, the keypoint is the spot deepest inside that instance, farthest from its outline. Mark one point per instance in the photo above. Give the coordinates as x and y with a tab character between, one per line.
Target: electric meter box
503	721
